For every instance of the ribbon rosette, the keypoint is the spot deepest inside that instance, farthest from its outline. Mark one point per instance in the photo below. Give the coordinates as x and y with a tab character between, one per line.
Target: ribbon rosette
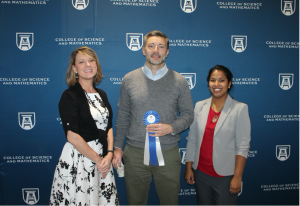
152	144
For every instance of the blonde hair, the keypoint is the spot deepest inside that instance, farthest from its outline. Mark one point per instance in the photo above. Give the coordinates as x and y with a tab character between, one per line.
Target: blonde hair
70	75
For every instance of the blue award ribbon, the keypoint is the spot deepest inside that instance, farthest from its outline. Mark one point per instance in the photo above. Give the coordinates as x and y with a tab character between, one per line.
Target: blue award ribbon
151	117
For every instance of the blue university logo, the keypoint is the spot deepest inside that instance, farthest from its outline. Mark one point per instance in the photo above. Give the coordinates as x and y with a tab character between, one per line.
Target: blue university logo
288	7
238	43
286	80
24	41
80	4
283	152
134	41
26	120
188	6
182	152
31	195
190	78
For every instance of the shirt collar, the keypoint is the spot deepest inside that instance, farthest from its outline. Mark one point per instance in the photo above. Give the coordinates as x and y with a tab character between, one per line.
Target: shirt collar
158	75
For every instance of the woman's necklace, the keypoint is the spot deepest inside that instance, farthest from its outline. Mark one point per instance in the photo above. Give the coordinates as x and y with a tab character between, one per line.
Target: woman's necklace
93	104
215	118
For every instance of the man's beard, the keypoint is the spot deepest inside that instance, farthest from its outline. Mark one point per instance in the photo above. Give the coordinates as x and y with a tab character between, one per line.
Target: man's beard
156	63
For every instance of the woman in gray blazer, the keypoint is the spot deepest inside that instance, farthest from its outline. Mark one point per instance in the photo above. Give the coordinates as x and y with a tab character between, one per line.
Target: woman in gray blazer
218	143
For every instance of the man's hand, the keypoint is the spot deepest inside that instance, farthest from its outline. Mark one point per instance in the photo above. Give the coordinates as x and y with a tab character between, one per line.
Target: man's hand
118	154
159	129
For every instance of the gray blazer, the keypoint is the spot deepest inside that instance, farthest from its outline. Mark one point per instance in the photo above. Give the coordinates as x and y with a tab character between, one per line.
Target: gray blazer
231	136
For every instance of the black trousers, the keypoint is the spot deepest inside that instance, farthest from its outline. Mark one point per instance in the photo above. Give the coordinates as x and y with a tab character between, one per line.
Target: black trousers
213	190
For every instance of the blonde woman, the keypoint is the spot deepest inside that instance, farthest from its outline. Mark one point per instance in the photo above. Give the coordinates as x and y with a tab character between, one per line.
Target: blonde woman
83	174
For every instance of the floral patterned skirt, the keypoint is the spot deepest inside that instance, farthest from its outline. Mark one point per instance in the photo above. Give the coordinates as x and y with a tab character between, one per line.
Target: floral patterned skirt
77	181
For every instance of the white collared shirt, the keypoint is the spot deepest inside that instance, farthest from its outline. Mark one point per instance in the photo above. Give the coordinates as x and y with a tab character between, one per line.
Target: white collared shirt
158	75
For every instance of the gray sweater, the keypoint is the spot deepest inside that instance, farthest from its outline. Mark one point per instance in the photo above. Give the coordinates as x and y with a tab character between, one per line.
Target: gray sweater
169	96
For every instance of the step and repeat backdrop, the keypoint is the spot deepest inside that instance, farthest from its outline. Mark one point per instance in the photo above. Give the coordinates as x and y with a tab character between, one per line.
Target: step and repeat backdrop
258	40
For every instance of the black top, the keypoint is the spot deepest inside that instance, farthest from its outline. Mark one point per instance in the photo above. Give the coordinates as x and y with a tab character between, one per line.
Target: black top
76	116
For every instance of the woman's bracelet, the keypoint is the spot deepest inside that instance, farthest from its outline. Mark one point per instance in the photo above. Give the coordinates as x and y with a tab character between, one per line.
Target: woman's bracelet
110	151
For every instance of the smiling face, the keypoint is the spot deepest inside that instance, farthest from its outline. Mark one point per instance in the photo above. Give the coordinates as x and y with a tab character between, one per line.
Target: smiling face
218	84
155	51
85	66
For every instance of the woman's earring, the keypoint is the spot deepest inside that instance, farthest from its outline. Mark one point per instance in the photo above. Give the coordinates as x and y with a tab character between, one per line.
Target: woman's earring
76	75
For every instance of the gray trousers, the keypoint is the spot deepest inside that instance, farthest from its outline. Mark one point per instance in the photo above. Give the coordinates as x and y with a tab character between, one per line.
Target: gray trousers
213	190
139	176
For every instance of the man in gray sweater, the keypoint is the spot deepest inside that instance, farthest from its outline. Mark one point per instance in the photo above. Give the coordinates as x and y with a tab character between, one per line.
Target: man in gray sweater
150	94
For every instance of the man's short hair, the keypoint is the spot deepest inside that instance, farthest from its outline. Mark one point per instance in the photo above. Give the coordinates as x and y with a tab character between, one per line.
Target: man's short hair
155	33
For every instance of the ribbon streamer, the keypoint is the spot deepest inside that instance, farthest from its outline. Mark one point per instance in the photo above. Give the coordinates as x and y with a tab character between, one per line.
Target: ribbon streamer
152	150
